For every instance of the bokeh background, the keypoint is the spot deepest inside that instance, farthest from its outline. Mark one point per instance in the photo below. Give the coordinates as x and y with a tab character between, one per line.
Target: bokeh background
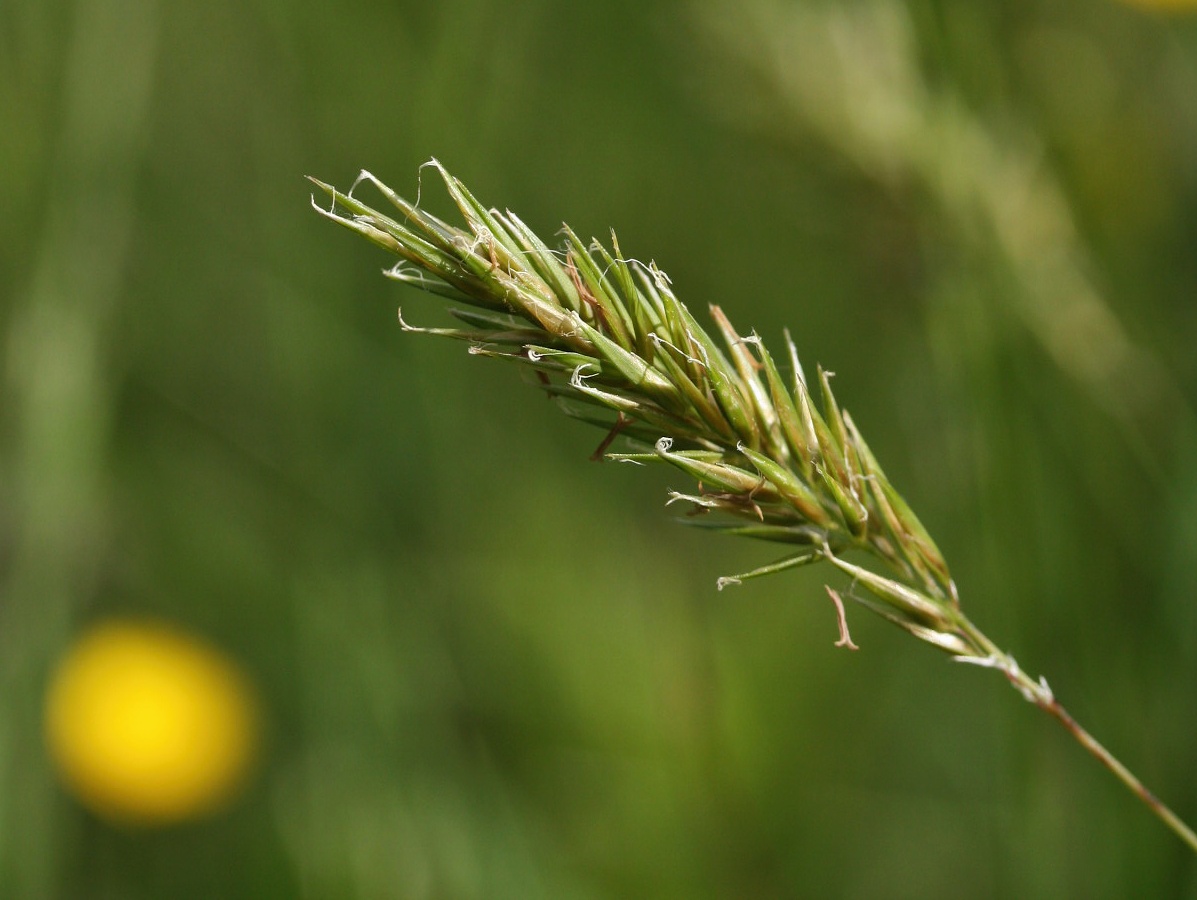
488	668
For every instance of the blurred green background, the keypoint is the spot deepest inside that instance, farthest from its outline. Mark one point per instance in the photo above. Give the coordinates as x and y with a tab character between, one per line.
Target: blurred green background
490	668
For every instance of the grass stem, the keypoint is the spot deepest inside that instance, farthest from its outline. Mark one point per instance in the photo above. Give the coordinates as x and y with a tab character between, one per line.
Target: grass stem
611	342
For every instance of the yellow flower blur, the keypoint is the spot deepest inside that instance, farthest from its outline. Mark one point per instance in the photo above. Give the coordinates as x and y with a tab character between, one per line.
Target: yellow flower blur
149	725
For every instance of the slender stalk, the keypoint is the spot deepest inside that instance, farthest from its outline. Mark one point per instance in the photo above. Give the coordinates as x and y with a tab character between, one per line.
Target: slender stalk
609	340
1041	695
1122	773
